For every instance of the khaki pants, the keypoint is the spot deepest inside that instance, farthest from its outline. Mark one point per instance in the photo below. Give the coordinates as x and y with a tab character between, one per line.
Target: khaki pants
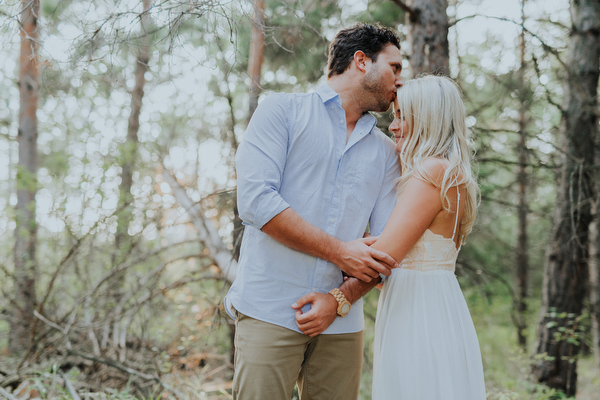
270	359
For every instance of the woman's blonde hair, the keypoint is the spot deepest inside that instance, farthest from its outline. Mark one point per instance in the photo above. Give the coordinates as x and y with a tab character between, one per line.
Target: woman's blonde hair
434	110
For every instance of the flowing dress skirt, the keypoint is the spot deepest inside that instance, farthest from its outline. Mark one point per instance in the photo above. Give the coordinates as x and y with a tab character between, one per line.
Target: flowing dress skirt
426	347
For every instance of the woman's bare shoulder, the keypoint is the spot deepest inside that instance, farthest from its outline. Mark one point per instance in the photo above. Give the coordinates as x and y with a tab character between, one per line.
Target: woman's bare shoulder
434	169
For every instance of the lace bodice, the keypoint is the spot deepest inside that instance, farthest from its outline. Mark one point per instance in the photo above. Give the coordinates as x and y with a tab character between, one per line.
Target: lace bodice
431	252
434	251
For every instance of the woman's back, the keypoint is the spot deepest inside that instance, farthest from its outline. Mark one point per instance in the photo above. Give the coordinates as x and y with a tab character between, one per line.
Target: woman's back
426	346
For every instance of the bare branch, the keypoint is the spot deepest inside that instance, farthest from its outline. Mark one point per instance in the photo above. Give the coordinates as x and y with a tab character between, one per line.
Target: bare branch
413	13
548	95
504	282
546	47
207	233
131	371
510	162
69	386
6	394
48	322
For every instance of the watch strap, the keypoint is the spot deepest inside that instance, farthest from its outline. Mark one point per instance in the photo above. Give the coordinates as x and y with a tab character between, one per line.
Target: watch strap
344	305
339	296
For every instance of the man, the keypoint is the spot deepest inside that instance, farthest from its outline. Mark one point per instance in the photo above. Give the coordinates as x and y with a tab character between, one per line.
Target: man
313	172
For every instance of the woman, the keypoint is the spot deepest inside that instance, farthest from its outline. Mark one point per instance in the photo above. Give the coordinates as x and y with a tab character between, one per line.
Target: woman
426	347
425	342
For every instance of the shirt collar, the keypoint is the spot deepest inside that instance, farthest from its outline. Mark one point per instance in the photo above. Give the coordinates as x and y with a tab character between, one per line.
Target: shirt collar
366	122
327	93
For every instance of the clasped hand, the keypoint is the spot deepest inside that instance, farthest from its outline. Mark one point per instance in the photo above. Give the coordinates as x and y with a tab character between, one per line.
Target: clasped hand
356	259
359	260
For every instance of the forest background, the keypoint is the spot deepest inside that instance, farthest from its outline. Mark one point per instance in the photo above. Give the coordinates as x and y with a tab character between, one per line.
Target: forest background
119	122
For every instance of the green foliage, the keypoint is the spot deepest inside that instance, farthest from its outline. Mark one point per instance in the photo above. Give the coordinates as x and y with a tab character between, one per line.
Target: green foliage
26	180
296	43
196	93
568	327
384	12
52	9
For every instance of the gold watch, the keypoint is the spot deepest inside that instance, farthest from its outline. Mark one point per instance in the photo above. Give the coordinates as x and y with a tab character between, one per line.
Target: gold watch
343	304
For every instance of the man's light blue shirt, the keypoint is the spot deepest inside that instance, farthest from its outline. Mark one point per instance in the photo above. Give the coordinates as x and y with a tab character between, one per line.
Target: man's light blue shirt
295	154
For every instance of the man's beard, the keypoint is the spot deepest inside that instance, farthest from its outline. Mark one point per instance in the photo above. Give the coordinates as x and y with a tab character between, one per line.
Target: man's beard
375	92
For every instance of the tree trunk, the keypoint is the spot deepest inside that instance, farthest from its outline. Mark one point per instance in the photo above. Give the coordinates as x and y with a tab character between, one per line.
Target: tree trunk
594	260
257	49
428	37
21	322
566	271
128	159
129	149
594	265
522	262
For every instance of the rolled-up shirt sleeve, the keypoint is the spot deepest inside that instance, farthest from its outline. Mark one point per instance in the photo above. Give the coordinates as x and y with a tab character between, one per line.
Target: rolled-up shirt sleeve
260	161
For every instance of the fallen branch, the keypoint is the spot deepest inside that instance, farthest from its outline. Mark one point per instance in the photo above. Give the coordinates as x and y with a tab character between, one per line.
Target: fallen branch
48	322
207	233
70	387
10	379
7	394
131	371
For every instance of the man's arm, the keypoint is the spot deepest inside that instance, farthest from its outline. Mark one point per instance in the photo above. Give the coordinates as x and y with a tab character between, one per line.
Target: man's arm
416	209
355	258
323	309
324	306
260	162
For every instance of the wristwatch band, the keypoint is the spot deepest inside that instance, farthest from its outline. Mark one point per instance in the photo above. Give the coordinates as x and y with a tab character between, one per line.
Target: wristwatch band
343	303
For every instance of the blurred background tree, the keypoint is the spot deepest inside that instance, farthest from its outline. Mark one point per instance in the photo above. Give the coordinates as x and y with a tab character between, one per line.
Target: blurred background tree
132	245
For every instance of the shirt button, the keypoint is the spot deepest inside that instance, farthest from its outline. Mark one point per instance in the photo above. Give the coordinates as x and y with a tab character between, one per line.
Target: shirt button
338	187
341	121
331	221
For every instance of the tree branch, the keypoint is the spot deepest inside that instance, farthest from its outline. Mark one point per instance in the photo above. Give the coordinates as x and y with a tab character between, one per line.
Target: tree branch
546	47
131	371
69	386
538	72
207	232
7	394
509	162
413	13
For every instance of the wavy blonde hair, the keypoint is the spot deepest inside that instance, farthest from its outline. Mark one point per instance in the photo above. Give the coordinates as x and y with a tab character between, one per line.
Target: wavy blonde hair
434	110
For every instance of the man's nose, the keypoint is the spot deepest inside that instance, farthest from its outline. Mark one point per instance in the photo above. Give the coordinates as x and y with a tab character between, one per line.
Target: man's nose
399	83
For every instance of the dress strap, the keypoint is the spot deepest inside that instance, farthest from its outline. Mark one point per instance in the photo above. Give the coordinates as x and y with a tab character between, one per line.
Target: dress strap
457	208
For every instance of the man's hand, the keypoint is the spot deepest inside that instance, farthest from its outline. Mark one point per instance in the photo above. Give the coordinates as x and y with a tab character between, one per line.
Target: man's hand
322	313
357	259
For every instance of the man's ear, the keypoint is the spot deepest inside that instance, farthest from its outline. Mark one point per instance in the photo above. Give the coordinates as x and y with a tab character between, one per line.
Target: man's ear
361	61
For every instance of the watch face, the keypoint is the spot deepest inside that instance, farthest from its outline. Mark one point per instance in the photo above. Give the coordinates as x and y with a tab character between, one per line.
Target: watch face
345	308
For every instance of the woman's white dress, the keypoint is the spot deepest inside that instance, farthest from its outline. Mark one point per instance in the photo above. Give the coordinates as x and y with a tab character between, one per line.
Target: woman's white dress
426	347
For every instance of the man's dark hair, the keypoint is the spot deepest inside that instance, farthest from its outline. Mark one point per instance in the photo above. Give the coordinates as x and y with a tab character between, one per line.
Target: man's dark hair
370	39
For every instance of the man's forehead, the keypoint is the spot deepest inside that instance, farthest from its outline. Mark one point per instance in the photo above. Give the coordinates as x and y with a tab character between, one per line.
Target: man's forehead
390	51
